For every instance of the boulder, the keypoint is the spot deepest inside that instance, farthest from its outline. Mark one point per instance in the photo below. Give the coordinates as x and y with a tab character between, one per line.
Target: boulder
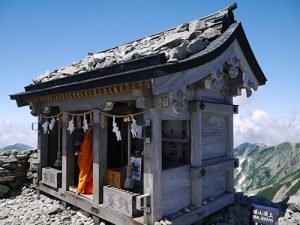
177	53
197	25
10	165
7	178
210	33
294	203
169	42
99	57
195	46
3	190
182	27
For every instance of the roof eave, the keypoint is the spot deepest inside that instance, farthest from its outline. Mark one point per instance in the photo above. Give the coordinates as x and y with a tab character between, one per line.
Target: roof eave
151	71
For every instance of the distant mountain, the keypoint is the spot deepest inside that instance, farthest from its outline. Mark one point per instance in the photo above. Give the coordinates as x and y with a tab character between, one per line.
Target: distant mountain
272	171
18	146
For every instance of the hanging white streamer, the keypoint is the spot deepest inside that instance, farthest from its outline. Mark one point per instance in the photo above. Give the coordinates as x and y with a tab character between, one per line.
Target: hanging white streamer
71	126
52	124
116	130
85	124
46	127
134	127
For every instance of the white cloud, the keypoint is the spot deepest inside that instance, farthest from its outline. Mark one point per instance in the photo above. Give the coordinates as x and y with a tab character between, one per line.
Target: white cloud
11	133
260	127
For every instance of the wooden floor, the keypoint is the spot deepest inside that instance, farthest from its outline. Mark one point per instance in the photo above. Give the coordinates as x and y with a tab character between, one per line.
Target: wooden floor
74	190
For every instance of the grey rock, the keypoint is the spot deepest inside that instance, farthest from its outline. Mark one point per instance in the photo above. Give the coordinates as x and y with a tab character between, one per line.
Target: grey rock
197	25
210	33
53	209
33	160
99	57
7	178
182	27
10	165
177	53
170	42
34	156
22	156
3	190
195	46
38	79
294	203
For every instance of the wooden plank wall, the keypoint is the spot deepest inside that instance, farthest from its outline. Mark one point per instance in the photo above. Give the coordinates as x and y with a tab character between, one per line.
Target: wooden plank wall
176	189
213	136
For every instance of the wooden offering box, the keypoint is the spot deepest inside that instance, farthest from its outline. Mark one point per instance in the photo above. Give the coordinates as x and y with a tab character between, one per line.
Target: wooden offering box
115	177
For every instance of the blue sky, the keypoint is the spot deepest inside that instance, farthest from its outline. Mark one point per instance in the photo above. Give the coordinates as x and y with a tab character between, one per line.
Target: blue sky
42	35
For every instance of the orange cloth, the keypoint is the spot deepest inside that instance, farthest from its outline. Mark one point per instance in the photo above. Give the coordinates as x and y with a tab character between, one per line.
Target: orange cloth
85	163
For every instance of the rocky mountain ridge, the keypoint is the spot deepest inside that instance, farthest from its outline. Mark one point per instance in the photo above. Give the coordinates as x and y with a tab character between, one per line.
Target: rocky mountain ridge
271	171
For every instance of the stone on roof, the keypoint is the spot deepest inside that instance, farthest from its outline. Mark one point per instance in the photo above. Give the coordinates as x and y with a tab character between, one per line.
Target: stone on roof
177	44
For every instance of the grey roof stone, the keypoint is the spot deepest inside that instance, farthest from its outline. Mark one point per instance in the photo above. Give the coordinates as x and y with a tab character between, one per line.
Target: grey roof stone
177	44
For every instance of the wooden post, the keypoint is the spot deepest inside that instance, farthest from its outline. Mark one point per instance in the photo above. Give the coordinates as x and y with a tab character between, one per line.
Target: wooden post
67	156
196	155
99	157
229	147
153	167
42	147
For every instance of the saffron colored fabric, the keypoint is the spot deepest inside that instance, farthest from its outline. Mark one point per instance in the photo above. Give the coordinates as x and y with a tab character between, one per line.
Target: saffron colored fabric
85	163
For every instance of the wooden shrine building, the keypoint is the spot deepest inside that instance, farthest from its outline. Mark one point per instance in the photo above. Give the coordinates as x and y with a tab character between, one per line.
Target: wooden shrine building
161	114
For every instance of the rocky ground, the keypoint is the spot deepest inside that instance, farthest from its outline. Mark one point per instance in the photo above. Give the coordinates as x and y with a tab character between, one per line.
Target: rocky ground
30	208
240	212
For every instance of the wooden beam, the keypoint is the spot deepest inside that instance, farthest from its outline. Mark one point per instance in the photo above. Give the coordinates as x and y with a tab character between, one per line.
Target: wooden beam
212	107
99	157
42	147
67	156
213	166
196	155
229	148
206	210
153	167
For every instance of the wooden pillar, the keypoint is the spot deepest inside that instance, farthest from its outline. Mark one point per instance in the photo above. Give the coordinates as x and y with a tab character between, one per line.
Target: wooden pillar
229	147
153	167
67	156
196	155
99	157
42	147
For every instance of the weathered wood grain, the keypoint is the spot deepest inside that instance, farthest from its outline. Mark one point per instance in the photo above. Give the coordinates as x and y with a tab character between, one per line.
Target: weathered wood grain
67	156
42	147
214	185
99	157
196	155
213	136
176	188
153	166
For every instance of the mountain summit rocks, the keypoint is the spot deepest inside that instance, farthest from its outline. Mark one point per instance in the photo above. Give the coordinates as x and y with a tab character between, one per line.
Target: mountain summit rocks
14	168
30	208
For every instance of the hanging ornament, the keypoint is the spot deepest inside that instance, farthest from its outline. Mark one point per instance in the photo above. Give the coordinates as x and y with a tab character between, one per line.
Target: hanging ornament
85	124
134	127
116	129
71	126
46	127
52	124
